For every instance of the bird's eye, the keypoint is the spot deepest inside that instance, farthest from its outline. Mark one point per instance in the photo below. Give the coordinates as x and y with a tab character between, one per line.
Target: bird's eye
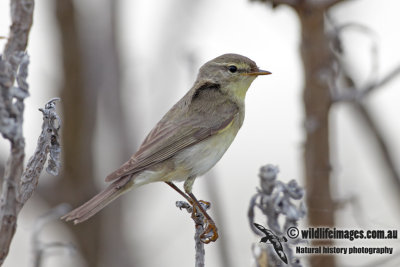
232	68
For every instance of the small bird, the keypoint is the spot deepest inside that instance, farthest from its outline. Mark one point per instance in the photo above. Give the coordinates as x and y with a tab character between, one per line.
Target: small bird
275	241
189	140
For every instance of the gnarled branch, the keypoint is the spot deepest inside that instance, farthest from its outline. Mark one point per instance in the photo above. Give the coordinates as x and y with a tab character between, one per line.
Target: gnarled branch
199	222
18	187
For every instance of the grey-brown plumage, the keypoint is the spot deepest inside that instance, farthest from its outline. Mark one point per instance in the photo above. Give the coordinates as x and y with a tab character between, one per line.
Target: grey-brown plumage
190	138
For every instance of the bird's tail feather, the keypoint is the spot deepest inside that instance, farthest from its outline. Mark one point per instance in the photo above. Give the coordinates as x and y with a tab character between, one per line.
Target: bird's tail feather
99	201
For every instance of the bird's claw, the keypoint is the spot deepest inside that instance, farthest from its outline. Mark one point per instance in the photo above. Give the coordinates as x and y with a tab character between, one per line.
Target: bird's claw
206	204
210	234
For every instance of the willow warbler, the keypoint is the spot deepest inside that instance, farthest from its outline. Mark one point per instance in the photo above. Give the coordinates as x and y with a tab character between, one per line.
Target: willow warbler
189	140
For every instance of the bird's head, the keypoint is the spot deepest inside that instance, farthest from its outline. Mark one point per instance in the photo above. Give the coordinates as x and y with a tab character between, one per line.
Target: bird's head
234	73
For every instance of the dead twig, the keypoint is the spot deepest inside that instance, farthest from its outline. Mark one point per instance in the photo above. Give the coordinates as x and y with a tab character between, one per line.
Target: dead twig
199	221
13	63
17	187
353	94
275	199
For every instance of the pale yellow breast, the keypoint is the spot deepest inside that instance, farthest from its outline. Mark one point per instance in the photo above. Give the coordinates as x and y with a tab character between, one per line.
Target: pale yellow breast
200	158
192	161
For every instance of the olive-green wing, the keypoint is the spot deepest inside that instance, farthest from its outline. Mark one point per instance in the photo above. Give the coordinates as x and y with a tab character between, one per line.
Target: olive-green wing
170	137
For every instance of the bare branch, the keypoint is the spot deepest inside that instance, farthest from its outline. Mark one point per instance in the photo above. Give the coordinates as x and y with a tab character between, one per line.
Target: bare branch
373	37
275	199
18	187
8	209
11	115
383	146
199	221
11	118
385	80
21	17
354	94
358	94
48	143
14	65
351	93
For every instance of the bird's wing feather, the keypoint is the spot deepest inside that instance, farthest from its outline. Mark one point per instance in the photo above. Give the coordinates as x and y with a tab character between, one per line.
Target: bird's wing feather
171	136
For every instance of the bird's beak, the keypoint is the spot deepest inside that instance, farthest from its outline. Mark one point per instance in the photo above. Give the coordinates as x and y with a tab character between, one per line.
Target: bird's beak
256	73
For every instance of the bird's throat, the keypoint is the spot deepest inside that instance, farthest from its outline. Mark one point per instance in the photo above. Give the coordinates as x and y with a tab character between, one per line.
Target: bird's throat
239	89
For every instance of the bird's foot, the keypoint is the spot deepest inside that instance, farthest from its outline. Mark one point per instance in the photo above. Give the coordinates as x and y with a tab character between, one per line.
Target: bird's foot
206	204
210	233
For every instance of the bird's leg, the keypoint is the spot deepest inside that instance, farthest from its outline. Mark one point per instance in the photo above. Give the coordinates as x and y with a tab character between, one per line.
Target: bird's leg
180	192
195	204
211	227
209	222
188	199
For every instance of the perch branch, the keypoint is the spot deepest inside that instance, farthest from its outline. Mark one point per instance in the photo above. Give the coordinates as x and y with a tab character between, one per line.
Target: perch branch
199	222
